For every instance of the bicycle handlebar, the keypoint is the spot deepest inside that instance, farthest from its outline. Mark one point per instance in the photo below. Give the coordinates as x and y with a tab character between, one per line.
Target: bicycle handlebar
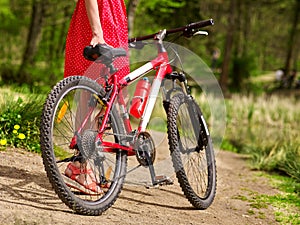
187	30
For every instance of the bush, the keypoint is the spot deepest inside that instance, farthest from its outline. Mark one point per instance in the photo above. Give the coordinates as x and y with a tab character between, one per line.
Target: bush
8	74
242	67
20	121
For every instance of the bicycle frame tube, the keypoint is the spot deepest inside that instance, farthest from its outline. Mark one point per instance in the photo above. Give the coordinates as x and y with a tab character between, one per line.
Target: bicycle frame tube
162	67
109	105
160	74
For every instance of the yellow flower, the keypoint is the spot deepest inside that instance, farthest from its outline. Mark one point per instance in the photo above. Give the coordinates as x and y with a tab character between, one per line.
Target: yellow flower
17	127
15	131
21	136
3	142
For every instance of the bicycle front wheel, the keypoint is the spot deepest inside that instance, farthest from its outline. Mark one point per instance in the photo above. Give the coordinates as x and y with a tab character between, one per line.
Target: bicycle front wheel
191	151
69	124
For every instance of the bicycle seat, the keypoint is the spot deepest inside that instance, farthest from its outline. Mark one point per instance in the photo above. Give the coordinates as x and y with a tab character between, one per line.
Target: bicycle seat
103	53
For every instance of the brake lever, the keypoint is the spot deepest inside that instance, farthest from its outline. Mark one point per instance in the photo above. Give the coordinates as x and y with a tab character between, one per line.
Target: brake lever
200	32
137	45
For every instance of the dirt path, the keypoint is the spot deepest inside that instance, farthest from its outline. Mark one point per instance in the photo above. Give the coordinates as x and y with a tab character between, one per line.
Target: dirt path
26	197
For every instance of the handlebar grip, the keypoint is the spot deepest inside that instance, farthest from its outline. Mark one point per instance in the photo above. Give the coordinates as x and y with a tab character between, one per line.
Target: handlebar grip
189	30
200	24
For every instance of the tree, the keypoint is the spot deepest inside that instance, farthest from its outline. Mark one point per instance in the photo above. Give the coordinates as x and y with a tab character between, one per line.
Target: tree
52	48
33	38
228	47
131	9
292	36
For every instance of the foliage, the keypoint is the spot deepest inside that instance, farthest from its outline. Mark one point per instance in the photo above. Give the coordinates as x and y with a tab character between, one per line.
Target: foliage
260	43
266	128
47	66
242	68
14	17
8	73
282	155
9	21
19	121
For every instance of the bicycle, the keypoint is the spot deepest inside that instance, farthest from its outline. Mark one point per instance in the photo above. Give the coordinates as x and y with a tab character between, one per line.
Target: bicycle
90	123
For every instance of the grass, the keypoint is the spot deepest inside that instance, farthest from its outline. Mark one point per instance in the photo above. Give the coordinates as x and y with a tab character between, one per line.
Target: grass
285	203
267	129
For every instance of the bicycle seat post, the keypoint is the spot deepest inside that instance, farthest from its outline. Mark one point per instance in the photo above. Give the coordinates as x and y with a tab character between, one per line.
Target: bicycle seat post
112	69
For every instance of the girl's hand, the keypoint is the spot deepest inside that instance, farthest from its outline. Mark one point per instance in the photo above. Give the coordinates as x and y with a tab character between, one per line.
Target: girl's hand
96	39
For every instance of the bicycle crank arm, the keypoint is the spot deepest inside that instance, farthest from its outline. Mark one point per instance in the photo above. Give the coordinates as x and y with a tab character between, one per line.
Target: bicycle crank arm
157	180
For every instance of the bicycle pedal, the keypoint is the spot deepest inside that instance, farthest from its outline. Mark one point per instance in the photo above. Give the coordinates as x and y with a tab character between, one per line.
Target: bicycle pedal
163	180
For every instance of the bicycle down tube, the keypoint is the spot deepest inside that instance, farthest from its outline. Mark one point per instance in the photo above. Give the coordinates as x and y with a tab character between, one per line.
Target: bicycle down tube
163	68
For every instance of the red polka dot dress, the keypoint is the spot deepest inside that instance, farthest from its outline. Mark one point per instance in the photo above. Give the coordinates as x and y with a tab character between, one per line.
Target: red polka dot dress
114	25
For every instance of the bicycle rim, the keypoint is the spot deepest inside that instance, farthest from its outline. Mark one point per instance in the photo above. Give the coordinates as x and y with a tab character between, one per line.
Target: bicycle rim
67	106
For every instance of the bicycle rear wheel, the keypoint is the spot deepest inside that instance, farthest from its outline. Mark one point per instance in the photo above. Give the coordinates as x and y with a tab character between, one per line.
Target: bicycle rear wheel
191	151
72	101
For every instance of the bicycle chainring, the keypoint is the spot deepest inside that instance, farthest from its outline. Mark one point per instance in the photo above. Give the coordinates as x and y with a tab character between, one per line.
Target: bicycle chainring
145	146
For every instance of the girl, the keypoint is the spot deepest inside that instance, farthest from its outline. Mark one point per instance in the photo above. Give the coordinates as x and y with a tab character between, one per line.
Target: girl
93	22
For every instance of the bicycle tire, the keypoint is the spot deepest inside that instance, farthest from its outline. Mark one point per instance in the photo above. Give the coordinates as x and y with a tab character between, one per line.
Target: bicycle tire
56	131
191	151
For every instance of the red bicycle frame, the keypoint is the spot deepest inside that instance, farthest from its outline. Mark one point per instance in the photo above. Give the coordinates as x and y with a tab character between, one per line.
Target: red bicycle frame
162	67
